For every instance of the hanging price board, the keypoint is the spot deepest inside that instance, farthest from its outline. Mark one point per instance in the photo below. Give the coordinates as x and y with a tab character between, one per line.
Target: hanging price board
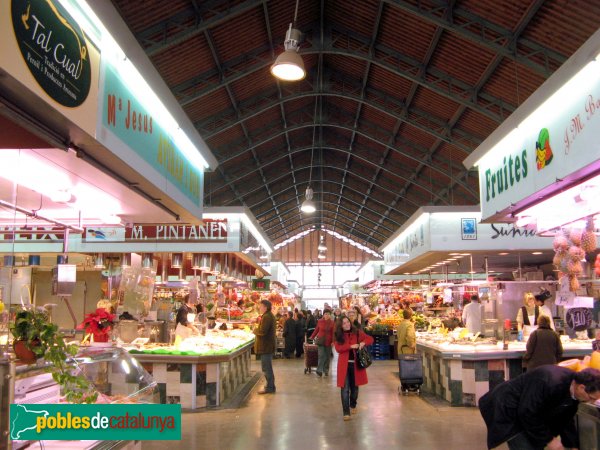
579	319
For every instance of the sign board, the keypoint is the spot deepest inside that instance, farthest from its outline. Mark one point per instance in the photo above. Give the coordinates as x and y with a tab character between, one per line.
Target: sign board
544	147
45	50
211	230
261	284
136	135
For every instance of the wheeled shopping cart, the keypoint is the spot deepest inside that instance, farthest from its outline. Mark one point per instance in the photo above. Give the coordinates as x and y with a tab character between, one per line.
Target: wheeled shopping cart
311	357
411	373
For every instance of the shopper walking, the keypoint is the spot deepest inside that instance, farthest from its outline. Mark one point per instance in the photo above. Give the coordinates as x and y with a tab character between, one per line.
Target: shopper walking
265	344
300	330
349	339
323	336
289	335
543	346
532	410
354	318
407	340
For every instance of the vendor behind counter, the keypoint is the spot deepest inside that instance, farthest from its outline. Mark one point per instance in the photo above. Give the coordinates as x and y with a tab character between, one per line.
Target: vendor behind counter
184	320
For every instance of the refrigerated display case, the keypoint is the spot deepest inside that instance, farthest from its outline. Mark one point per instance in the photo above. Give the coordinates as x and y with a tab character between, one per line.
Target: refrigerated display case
116	376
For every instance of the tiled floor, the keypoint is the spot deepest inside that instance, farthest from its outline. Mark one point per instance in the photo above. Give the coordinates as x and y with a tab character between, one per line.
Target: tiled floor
306	413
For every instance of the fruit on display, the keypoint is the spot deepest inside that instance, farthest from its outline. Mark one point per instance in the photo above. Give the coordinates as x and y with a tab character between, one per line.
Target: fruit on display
577	365
560	244
588	237
569	253
597	265
1	306
575	236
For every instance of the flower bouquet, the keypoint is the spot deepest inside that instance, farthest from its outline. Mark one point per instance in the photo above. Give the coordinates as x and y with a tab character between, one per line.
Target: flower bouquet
98	324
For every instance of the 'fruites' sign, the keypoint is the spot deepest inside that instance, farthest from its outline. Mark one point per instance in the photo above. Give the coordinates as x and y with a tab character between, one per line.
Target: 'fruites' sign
54	49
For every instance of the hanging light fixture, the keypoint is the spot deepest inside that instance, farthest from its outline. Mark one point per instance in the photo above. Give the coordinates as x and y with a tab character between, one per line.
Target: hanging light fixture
308	206
125	260
289	65
99	261
147	260
176	260
321	255
216	265
33	260
322	247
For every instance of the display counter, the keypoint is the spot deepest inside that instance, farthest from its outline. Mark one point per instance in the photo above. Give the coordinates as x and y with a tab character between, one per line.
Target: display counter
116	376
588	423
462	373
200	371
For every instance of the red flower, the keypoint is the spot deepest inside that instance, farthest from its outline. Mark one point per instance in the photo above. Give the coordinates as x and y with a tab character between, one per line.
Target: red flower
99	322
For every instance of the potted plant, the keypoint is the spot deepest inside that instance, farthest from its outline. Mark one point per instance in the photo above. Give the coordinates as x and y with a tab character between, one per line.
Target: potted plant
98	324
38	337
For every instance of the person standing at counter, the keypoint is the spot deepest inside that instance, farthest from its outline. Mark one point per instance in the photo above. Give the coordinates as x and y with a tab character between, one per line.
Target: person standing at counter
264	346
543	346
527	316
537	410
186	315
471	315
407	339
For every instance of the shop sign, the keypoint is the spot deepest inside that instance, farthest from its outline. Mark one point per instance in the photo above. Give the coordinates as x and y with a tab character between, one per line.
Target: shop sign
468	229
140	131
33	233
544	149
210	230
104	234
54	50
261	284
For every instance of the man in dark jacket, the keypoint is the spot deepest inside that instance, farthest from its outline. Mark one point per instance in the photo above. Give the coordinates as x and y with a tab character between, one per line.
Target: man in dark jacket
265	344
530	411
289	334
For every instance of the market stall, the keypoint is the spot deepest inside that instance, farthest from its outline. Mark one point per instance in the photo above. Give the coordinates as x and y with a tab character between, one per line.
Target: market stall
200	371
461	373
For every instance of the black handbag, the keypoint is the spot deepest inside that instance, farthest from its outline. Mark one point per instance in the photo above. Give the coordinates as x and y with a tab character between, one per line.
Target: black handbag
363	357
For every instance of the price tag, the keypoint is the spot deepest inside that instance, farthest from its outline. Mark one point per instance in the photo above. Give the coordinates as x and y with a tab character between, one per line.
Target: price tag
565	298
579	319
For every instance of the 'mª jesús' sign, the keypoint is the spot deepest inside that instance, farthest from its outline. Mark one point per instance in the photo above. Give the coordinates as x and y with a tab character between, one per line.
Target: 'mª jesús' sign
54	50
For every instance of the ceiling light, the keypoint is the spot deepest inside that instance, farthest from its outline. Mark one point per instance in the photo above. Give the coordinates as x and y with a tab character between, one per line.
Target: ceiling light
321	255
176	260
322	247
536	253
308	206
289	65
125	260
99	261
503	253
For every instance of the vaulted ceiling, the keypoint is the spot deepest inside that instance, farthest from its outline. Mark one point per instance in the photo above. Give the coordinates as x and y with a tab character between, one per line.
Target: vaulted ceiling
397	94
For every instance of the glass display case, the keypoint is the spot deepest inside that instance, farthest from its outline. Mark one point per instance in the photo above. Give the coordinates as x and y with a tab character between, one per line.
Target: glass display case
117	376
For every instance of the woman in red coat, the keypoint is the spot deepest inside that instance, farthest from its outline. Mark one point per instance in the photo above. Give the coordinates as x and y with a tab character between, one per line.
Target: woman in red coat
348	339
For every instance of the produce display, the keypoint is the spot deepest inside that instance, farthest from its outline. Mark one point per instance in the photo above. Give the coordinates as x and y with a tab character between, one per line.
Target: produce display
577	365
570	247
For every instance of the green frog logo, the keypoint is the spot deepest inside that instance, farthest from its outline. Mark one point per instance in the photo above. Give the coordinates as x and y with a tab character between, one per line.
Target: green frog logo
543	152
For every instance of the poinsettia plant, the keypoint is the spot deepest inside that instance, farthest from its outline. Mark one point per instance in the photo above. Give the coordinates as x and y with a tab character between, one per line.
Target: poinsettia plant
98	324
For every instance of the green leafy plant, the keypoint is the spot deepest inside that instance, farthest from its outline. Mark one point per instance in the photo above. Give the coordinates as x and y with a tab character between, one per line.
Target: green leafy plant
44	339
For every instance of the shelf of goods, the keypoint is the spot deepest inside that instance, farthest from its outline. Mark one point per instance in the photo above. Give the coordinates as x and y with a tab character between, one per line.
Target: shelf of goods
462	371
116	376
199	371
